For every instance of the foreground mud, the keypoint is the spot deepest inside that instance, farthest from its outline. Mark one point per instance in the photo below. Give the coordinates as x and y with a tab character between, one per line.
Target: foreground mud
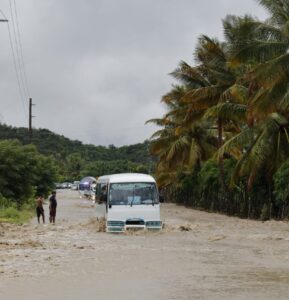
197	256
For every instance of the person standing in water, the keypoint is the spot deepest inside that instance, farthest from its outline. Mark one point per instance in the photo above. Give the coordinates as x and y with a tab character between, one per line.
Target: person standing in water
52	207
40	209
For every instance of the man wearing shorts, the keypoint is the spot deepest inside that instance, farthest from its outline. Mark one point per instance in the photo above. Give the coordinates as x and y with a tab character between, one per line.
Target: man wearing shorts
40	209
52	207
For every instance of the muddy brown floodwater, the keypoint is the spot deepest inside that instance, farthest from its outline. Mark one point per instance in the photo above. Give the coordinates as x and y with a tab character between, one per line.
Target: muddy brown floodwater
197	256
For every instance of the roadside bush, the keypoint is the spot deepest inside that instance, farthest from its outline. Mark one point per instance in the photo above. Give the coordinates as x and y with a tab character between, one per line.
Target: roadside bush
45	175
14	215
264	213
202	189
10	213
281	189
22	171
4	202
208	181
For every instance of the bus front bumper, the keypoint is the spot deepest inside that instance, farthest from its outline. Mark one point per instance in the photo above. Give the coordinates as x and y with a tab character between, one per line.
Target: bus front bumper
120	226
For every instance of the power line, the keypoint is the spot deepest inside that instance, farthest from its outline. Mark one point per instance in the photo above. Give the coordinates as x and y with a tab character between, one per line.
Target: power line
22	72
18	55
22	96
21	49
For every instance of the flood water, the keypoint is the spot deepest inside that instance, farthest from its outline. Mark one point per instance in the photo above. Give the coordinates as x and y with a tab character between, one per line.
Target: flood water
197	256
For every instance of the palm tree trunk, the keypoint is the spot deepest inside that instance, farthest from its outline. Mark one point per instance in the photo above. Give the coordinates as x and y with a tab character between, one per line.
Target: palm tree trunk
221	159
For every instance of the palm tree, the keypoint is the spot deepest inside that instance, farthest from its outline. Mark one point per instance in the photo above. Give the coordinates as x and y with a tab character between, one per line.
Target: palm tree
262	148
265	44
180	146
208	89
214	88
234	101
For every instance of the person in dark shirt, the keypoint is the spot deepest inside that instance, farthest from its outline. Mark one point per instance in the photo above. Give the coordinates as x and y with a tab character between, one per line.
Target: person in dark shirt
52	207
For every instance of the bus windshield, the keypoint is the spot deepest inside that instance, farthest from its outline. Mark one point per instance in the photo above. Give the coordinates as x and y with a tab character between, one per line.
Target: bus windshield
137	193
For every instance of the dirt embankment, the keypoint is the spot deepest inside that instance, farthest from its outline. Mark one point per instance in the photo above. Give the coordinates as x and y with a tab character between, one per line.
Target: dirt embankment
197	256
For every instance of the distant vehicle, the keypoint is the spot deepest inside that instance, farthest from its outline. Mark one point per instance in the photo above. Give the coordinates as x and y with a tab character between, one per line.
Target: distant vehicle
58	185
75	185
65	185
86	187
132	201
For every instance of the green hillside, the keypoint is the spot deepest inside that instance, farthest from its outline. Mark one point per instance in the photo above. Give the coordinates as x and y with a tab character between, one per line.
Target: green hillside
76	159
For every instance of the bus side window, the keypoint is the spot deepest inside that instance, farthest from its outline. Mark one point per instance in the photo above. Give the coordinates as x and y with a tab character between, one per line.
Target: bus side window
97	193
103	193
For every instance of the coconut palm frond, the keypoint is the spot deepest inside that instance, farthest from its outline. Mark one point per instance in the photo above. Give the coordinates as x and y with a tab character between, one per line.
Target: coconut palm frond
267	101
252	40
177	147
192	117
191	76
268	146
207	94
227	111
241	140
166	178
236	93
157	134
158	146
260	51
272	72
239	29
157	121
176	115
209	51
172	98
284	102
269	31
278	10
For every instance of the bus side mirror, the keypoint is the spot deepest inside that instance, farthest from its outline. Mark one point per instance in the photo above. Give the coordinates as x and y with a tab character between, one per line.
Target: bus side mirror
162	199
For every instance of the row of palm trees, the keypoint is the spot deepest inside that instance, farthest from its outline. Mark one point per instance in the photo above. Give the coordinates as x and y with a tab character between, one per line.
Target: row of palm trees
232	103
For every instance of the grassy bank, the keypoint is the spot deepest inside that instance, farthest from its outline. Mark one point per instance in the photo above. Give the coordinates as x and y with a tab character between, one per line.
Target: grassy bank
13	215
10	213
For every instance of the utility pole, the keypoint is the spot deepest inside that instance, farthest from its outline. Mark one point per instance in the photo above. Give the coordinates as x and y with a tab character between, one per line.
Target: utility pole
30	121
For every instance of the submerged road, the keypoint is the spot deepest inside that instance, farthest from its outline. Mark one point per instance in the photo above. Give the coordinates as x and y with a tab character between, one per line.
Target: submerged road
197	256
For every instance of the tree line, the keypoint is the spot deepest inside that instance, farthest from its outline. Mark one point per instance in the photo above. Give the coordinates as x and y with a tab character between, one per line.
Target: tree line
27	170
24	173
223	144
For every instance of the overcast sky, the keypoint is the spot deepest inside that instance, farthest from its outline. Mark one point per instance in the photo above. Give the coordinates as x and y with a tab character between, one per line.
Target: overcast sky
97	69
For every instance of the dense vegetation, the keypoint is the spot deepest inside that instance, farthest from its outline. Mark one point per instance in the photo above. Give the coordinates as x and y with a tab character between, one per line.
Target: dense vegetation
24	174
28	170
76	160
224	141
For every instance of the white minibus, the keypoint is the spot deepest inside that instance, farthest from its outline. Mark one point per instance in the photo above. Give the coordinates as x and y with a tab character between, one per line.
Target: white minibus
131	201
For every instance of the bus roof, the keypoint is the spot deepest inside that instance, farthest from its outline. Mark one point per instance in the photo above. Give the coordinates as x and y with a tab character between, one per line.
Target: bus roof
125	177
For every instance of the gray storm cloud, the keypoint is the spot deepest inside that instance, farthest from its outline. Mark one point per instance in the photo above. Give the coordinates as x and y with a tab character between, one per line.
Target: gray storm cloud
97	69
